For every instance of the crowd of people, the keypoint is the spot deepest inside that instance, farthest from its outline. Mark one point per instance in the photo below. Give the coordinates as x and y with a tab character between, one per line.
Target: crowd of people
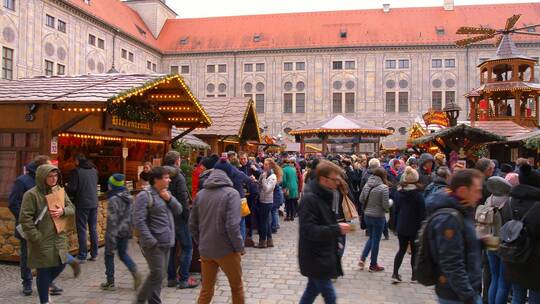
473	233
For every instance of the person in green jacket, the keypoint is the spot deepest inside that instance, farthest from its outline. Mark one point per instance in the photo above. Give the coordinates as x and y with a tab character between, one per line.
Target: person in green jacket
290	189
47	249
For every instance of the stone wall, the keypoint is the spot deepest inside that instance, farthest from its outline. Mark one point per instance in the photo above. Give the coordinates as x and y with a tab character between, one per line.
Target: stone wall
9	244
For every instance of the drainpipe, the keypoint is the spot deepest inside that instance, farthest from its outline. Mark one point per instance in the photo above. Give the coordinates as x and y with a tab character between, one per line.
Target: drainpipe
467	74
234	74
113	69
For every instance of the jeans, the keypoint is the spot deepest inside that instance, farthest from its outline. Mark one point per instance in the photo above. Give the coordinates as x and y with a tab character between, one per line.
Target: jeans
316	287
121	247
264	221
499	287
444	301
26	272
231	266
44	278
83	217
275	219
519	294
375	226
290	207
404	243
251	220
243	227
184	238
157	259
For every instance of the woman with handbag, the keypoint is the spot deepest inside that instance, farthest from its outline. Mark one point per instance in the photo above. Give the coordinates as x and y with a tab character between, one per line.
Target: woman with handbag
267	182
375	199
409	212
47	248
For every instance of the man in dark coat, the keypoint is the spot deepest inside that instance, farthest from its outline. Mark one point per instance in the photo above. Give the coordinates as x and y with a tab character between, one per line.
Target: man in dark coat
426	162
82	187
319	232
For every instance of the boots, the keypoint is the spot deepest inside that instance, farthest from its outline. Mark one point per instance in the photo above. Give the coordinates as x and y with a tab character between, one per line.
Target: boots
249	243
137	279
270	243
76	267
262	244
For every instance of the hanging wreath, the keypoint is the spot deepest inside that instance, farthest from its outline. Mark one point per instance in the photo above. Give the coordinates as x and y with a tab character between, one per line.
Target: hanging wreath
139	112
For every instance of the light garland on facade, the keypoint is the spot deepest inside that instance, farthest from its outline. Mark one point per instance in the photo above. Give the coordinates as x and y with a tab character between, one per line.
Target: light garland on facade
69	109
174	108
165	96
148	141
360	131
183	118
110	138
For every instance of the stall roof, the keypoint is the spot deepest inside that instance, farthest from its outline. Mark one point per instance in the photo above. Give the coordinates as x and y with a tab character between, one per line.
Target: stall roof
229	116
190	139
526	136
475	134
506	128
341	124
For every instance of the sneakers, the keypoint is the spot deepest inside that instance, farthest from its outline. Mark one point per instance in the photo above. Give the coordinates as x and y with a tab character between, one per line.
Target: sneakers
137	279
55	290
80	261
361	264
93	259
396	278
108	286
189	283
76	267
27	289
376	268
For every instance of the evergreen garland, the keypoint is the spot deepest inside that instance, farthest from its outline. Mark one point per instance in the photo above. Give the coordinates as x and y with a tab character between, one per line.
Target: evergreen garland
139	112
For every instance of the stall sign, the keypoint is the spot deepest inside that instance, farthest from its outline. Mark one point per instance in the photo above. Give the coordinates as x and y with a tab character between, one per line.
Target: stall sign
54	145
436	118
125	152
115	123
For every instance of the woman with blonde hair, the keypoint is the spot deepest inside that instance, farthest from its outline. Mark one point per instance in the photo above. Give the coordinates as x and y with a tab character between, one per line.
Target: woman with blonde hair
267	182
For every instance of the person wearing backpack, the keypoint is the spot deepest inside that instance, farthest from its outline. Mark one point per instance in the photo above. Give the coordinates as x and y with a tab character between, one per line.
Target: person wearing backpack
488	225
449	254
410	211
118	232
521	257
442	177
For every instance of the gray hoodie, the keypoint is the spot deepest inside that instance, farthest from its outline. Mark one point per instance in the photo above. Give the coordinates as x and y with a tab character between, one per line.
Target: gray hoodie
378	197
215	217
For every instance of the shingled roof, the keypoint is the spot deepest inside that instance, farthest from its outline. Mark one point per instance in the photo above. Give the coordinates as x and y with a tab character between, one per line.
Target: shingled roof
229	116
505	128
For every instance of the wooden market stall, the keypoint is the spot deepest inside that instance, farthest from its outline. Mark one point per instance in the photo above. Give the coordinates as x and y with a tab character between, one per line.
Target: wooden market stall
116	120
235	125
340	130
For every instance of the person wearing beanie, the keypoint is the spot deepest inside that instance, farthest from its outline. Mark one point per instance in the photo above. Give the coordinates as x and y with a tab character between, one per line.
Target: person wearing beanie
373	164
413	162
207	164
525	198
426	163
409	212
118	231
440	161
488	226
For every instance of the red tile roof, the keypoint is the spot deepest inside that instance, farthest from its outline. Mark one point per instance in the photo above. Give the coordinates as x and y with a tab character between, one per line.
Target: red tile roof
400	26
119	15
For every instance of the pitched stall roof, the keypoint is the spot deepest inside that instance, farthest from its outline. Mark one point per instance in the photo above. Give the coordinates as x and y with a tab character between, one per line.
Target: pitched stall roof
229	116
340	124
505	128
526	136
373	27
119	15
477	135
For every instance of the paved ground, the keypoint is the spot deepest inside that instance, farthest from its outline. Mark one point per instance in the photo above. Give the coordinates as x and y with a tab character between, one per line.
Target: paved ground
270	276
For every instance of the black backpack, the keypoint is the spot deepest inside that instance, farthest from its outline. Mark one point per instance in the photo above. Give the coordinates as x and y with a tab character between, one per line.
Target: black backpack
425	266
516	243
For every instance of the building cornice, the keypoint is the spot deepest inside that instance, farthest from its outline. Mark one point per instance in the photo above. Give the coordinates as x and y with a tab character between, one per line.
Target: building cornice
81	13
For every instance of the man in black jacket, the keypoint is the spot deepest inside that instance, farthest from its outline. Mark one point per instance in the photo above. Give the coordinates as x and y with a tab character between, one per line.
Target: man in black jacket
82	188
178	189
319	232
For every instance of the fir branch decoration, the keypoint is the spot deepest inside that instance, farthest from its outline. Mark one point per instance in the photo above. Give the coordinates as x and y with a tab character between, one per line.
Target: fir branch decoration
139	112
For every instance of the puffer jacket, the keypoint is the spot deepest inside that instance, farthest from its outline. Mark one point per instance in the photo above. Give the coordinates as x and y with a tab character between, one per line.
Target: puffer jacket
46	248
456	250
267	185
119	222
436	185
374	197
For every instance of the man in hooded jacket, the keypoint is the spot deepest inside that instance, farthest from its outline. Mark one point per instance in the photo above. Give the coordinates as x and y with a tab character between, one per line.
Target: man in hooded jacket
426	162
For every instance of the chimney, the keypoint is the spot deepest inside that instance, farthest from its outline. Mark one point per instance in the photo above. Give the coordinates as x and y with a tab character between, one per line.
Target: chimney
386	7
448	5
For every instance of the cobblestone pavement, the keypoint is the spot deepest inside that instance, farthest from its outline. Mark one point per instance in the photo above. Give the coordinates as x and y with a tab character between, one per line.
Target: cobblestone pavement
270	276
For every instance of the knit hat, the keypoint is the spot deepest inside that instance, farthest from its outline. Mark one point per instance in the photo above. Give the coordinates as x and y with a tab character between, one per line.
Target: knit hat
412	161
513	178
210	161
440	157
498	186
224	165
528	176
410	176
117	181
374	163
506	168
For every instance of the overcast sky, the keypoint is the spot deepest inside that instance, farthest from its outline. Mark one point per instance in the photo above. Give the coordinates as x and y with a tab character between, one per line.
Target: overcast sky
212	8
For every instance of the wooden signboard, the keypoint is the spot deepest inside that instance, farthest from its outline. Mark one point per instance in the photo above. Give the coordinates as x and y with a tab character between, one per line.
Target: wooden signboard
115	123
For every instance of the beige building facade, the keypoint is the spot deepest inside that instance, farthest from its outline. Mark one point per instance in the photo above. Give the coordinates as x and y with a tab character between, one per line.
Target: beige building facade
386	85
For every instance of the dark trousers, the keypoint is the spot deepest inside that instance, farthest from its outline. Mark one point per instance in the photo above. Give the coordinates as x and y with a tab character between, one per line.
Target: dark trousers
183	236
290	207
342	240
45	276
157	259
251	219
121	247
316	287
263	212
404	243
84	217
26	272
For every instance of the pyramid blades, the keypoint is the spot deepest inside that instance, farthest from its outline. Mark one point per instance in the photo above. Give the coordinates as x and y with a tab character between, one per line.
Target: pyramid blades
467	41
511	22
475	30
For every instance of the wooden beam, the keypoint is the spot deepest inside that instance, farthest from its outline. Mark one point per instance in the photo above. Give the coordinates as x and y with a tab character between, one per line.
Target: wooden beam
177	137
70	123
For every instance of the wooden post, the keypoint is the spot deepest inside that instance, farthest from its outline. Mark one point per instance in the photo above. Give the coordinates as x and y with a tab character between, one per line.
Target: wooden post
517	106
124	159
473	110
325	144
302	144
536	104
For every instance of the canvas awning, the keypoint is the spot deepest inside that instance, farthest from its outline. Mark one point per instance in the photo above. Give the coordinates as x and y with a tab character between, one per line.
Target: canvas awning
339	125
